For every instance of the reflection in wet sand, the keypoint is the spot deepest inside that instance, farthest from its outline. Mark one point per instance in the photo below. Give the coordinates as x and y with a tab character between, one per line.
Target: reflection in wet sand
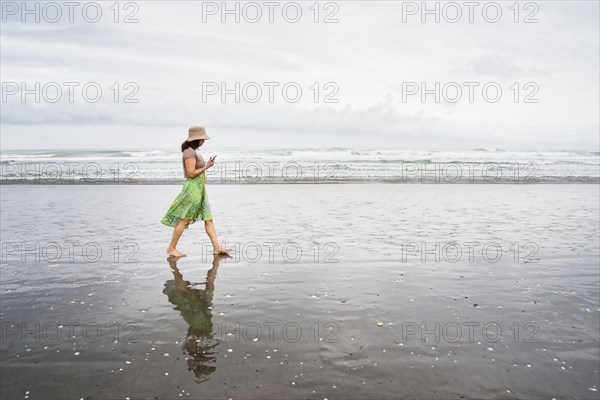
195	306
373	282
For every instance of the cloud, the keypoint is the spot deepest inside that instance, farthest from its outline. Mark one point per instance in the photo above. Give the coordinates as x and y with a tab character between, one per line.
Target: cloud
368	55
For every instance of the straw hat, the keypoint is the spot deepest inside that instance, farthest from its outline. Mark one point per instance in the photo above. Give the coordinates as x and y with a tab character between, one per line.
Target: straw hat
197	132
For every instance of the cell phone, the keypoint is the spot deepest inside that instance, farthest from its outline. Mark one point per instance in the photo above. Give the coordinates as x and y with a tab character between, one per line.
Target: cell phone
213	158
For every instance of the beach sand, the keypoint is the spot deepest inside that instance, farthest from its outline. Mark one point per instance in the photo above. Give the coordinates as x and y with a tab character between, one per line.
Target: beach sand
334	292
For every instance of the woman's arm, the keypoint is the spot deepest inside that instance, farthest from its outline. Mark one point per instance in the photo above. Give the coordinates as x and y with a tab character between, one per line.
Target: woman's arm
190	167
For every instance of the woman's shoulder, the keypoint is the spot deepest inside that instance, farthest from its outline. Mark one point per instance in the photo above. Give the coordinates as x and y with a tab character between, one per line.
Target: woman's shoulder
188	153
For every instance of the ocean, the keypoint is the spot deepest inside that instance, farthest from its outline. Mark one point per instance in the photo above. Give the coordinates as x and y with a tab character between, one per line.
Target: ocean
334	165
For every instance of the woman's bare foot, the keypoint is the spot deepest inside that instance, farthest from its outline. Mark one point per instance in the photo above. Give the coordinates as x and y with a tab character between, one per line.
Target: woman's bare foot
175	252
221	250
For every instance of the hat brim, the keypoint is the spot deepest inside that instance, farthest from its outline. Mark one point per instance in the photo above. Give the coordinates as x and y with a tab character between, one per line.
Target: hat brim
197	137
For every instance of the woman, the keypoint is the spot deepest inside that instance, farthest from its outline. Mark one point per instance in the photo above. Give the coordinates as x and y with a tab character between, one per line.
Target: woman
192	203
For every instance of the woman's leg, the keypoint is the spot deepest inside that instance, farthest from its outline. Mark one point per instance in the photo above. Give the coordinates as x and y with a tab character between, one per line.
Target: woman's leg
209	226
177	231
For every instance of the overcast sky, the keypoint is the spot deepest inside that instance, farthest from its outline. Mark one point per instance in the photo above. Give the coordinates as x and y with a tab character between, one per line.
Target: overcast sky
371	59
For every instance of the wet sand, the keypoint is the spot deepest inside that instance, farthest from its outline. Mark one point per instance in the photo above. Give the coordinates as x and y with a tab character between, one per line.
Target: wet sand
334	292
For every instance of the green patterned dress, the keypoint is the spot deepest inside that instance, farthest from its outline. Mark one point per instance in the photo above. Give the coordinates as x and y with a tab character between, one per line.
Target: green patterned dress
192	202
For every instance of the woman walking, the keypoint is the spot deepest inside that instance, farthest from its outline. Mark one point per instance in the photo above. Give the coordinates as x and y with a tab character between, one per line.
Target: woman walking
192	203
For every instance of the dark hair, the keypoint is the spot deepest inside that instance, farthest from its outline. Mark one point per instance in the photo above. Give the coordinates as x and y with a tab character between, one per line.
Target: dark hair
194	144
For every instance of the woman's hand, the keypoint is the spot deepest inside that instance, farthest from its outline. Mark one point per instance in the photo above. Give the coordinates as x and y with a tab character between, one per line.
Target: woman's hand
208	165
190	165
